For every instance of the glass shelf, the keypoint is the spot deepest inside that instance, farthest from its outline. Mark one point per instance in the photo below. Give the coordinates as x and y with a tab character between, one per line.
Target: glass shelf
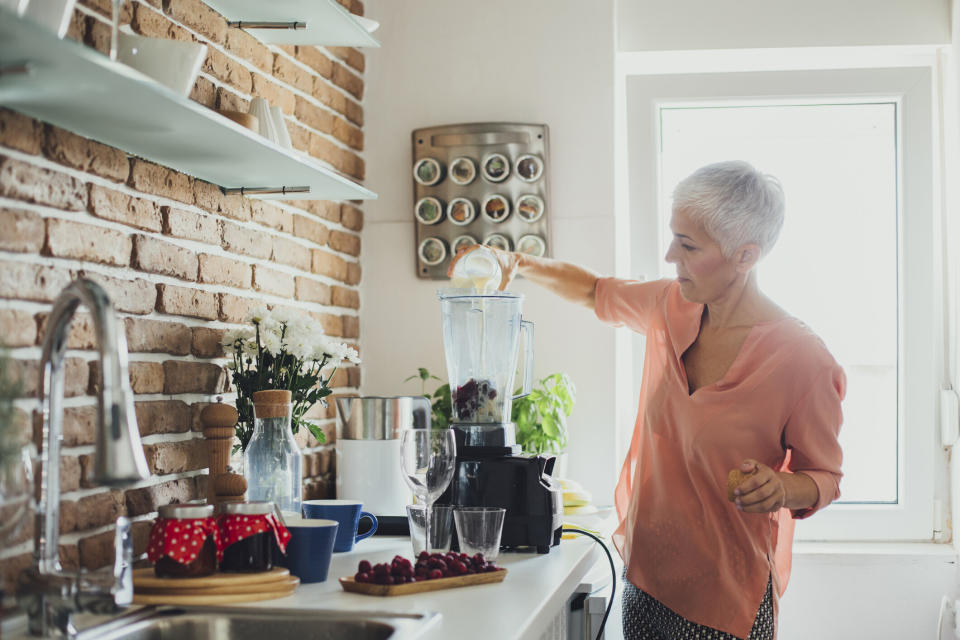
327	22
81	90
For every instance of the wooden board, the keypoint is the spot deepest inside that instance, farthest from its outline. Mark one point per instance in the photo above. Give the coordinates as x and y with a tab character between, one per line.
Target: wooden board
212	599
146	579
290	582
366	588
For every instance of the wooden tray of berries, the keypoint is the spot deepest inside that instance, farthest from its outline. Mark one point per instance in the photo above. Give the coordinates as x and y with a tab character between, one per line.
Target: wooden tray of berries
420	582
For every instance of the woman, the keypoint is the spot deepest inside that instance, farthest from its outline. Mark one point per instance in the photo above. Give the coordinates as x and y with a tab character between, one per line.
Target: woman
730	382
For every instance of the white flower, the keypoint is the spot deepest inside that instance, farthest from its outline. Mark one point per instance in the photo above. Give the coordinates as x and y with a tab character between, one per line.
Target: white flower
271	342
243	336
257	314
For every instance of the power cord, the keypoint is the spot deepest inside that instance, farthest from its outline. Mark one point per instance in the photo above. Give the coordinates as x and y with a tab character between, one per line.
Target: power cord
613	573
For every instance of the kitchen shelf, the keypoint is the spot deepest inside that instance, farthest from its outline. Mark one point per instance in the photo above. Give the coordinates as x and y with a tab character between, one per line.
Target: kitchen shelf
327	22
82	90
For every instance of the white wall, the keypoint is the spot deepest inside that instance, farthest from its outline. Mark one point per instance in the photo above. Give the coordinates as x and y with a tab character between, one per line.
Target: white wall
539	61
648	25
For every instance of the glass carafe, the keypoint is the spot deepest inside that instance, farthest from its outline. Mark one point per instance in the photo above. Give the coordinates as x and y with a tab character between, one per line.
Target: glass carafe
273	460
481	339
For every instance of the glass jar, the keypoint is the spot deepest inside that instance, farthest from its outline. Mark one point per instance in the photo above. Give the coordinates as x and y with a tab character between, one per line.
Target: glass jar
184	541
250	531
273	460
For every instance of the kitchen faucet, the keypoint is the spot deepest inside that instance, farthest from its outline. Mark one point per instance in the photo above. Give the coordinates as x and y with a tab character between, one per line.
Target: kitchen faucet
48	594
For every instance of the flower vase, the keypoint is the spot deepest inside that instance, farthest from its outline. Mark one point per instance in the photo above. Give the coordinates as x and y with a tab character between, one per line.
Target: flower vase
272	461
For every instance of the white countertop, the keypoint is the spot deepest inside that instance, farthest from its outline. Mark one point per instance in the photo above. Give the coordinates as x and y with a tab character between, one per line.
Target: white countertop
522	606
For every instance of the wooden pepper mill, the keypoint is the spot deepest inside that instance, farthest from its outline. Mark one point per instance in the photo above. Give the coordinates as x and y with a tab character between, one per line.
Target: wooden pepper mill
218	422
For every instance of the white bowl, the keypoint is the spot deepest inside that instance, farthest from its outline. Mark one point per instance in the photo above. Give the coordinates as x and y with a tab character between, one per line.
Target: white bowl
172	63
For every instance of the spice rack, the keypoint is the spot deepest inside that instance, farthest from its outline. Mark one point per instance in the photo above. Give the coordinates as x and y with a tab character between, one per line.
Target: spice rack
507	190
82	90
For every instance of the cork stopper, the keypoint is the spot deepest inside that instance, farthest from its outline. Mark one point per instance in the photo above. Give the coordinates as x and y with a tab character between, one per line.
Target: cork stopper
272	403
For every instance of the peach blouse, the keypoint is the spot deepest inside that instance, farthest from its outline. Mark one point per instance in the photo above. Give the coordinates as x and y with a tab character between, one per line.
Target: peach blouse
681	540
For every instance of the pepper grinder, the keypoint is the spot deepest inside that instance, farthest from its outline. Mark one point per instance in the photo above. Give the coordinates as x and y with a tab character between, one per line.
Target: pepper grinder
218	422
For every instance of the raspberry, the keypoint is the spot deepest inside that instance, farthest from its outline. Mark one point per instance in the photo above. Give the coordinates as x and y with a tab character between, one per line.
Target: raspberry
364	566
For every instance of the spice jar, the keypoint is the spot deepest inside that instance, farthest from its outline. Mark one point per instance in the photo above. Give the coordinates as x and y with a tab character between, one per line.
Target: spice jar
184	542
250	531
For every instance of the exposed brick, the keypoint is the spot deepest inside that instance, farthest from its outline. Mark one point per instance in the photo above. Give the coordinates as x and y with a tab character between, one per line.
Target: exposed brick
157	336
176	457
358	168
163	416
228	70
274	282
82	334
237	239
332	325
299	137
68	239
286	71
154	179
291	253
158	256
313	116
204	92
141	537
145	377
323	209
22	181
206	342
354	273
351	217
329	95
99	509
313	58
84	154
17	328
351	327
198	16
311	230
343	297
20	132
210	197
79	425
328	264
353	377
312	291
325	150
148	22
354	113
193	377
105	9
24	281
339	378
68	516
22	528
351	56
320	412
131	296
225	271
78	26
140	502
97	35
234	308
274	93
347	133
112	205
346	80
23	231
270	215
26	373
229	101
323	460
344	242
243	45
96	551
181	301
190	226
70	473
12	567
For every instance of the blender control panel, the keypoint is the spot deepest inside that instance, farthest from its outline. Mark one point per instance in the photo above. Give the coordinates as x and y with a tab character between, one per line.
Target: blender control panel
482	183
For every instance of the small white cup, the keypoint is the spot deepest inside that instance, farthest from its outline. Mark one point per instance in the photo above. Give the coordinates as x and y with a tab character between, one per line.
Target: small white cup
280	125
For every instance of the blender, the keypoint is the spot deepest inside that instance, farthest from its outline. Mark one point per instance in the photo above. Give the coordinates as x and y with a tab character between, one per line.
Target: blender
482	330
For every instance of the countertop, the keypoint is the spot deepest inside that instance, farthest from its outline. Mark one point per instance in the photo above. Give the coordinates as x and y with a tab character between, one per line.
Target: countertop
522	606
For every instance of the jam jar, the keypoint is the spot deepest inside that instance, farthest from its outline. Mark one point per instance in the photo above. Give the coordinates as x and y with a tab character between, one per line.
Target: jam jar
250	531
184	541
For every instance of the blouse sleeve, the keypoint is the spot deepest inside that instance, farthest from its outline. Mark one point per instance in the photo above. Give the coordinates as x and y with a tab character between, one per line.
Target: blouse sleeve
811	434
628	303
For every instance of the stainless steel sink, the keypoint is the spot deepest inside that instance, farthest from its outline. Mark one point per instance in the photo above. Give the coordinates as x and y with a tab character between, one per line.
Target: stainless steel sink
188	623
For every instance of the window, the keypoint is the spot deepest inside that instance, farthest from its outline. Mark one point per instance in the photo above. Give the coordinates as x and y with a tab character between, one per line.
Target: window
854	261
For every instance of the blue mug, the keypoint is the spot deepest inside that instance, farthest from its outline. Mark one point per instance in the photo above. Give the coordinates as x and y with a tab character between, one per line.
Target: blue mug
347	513
310	548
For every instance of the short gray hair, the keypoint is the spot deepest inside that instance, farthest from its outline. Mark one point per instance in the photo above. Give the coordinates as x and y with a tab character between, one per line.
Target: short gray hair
736	204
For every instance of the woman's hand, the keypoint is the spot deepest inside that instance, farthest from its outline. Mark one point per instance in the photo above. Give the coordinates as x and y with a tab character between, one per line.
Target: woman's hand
509	263
762	492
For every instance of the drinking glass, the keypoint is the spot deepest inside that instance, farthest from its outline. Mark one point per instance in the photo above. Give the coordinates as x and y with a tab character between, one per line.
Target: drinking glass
441	527
479	529
427	458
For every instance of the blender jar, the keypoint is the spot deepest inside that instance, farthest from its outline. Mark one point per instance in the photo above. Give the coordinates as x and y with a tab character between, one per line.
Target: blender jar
481	338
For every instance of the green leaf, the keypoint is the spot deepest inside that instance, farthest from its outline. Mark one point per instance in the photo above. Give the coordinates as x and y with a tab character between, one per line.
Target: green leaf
317	432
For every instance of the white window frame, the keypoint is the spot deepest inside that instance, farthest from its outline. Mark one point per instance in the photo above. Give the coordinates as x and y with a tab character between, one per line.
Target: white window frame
906	74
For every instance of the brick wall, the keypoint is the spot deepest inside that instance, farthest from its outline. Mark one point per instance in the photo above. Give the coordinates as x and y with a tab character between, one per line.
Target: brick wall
181	262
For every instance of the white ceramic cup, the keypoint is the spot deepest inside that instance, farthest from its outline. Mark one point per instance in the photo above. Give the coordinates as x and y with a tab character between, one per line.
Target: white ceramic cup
283	136
260	108
172	63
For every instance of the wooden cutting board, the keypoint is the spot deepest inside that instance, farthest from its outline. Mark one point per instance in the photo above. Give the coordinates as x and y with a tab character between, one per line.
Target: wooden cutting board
211	598
366	588
146	579
290	582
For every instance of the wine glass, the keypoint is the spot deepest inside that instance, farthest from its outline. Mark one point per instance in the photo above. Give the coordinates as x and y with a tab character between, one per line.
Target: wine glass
427	459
